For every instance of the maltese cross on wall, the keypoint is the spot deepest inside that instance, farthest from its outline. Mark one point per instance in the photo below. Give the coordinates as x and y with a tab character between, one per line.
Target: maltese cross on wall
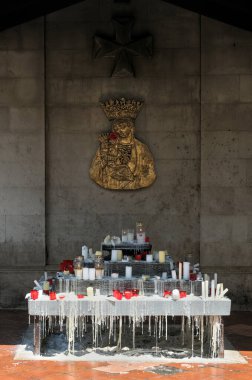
123	47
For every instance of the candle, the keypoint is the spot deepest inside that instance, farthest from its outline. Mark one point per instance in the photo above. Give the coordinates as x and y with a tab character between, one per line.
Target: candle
114	275
119	255
128	272
78	273
203	289
175	294
130	236
212	289
114	255
206	289
180	271
99	273
174	274
161	256
85	273
149	258
84	252
164	275
186	270
97	292
91	274
90	291
215	280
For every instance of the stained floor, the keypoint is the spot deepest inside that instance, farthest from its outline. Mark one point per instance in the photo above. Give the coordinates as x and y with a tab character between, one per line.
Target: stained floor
238	328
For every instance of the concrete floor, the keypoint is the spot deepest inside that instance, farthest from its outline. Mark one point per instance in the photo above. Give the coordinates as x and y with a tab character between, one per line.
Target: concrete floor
13	324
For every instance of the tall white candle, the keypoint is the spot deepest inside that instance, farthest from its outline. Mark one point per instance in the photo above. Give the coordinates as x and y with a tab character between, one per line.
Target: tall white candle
114	255
180	271
174	275
206	289
91	274
186	270
212	289
215	280
85	273
203	289
128	272
161	256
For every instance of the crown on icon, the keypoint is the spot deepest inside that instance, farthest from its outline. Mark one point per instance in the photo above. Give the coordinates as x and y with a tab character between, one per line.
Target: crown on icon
121	108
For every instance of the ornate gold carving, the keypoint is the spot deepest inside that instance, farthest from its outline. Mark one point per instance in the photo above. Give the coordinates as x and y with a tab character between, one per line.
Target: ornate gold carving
122	162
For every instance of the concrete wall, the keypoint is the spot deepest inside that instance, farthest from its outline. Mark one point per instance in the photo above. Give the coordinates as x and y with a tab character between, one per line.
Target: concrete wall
196	121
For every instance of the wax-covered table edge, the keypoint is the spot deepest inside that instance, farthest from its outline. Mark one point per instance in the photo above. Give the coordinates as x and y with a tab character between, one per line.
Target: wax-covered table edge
195	306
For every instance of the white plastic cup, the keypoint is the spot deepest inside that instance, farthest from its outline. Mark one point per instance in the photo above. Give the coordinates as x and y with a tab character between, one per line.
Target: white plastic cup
149	258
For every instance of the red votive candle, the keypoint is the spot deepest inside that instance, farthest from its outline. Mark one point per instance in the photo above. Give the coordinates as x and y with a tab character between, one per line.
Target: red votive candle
167	293
138	257
128	294
34	294
80	296
182	293
52	296
117	294
135	292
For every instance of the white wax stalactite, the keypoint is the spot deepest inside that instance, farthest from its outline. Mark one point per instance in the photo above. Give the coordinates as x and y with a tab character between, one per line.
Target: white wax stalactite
128	272
174	275
85	273
114	255
180	271
186	270
91	274
212	289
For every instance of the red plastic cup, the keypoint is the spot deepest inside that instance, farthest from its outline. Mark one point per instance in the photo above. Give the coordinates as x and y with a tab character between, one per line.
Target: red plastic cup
128	294
34	294
52	296
167	293
182	293
80	296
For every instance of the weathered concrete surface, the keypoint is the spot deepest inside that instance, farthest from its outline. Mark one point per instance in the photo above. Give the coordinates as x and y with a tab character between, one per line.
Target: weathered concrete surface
196	120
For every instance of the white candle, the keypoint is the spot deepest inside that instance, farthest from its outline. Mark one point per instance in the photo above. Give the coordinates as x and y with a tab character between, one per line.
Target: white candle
97	292
174	275
114	275
84	252
99	273
206	289
90	291
78	273
212	289
141	237
186	270
215	280
161	256
149	258
91	274
164	275
45	276
203	289
175	294
119	255
114	255
85	273
180	271
128	272
130	236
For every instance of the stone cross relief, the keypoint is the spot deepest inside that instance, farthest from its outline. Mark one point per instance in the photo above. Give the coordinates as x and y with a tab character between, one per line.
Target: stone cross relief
123	47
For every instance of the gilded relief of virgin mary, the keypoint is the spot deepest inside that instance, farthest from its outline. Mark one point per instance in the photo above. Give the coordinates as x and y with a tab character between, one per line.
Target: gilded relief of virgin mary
122	162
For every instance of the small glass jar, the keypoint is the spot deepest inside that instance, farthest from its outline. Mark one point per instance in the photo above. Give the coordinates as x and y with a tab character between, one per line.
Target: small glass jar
78	262
99	265
140	233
